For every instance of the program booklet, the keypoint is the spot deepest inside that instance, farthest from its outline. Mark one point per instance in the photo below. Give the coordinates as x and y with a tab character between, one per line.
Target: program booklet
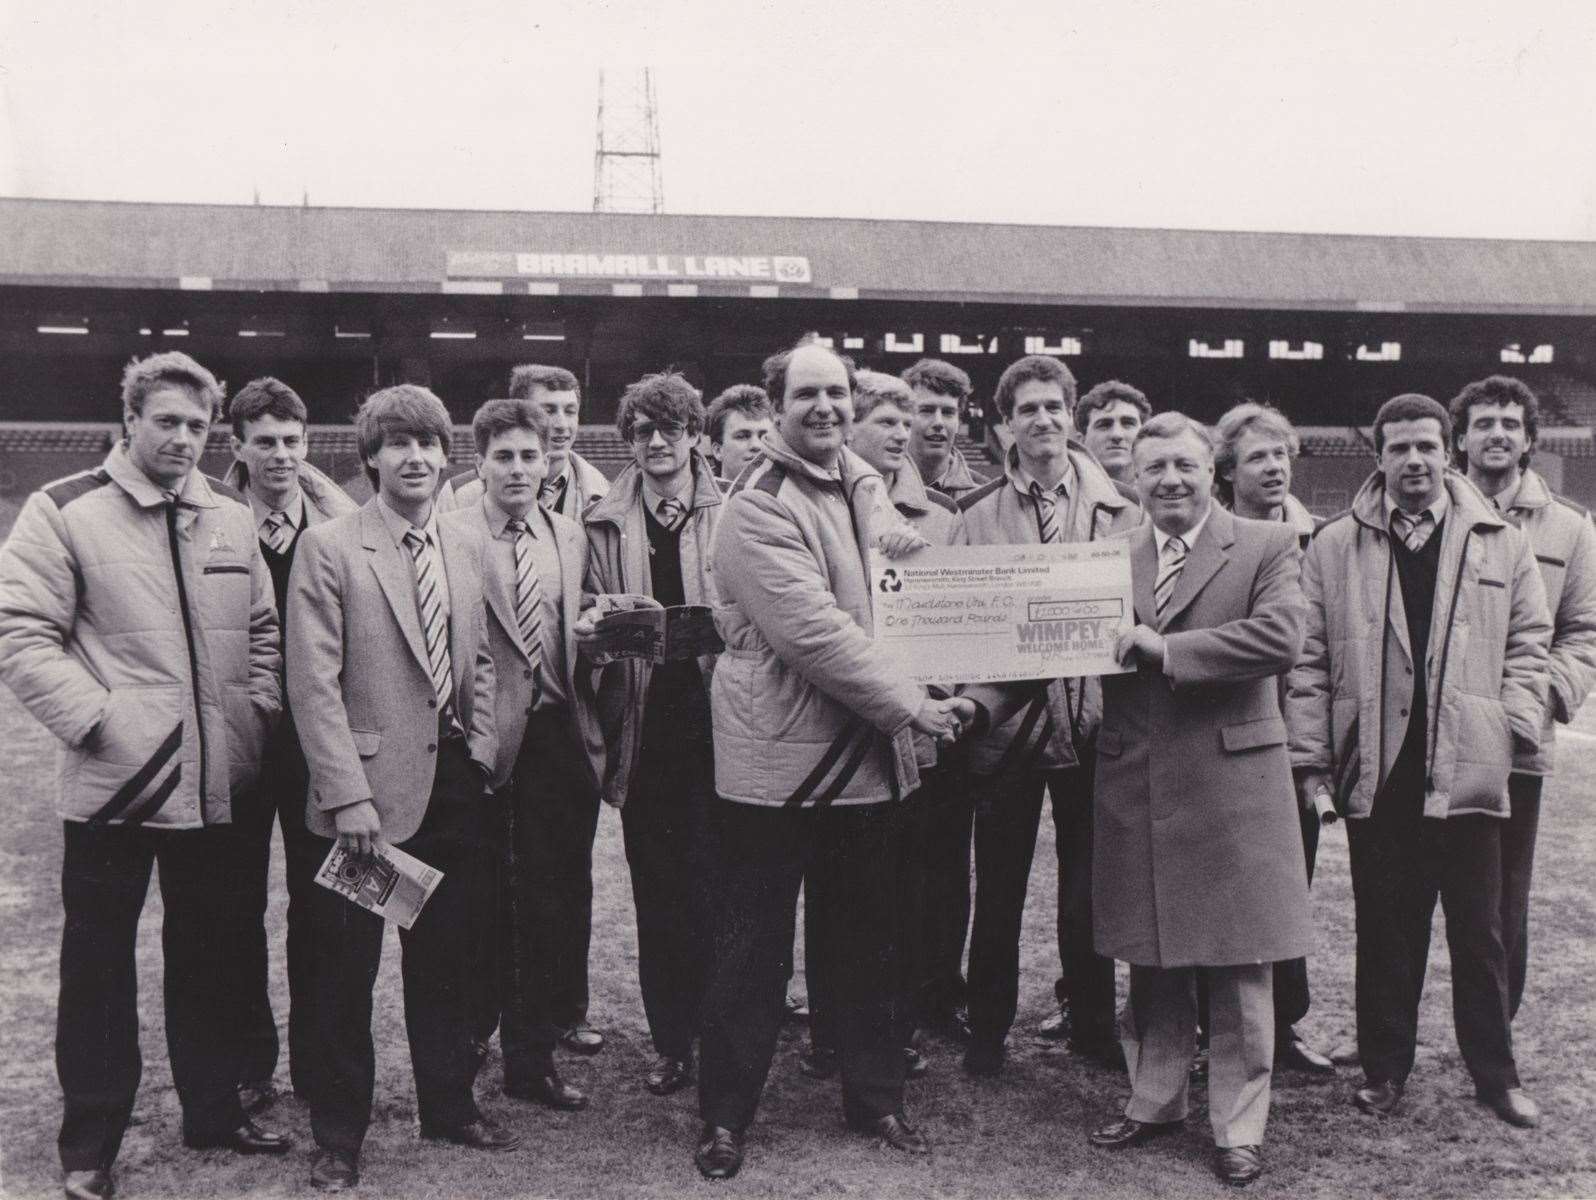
392	884
636	626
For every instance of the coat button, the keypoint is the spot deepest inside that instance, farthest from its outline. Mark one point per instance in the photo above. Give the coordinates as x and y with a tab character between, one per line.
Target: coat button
528	674
1403	713
432	747
432	702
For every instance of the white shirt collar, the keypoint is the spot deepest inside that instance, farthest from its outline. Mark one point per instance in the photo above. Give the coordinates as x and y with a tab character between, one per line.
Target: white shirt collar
1436	510
399	525
295	509
1064	486
1189	538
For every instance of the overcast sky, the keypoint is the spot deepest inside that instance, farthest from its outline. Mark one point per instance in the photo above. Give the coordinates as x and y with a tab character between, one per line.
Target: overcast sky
1454	117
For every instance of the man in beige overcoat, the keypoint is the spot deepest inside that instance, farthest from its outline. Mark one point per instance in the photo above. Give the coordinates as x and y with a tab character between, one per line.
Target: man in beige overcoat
1197	855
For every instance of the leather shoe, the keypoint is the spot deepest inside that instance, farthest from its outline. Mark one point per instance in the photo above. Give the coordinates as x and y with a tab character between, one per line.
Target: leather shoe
895	1131
818	1062
1294	1054
1238	1165
1199	1066
481	1134
548	1089
334	1171
248	1138
1378	1098
1107	1054
582	1038
256	1096
89	1185
984	1058
667	1075
952	1023
914	1063
1514	1106
1117	1135
720	1152
1056	1027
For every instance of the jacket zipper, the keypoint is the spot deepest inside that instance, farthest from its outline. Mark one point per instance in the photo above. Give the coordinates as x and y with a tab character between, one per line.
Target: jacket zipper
1446	646
188	635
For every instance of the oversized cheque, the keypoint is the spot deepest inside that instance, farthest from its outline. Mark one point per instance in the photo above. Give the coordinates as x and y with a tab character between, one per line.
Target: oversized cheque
985	614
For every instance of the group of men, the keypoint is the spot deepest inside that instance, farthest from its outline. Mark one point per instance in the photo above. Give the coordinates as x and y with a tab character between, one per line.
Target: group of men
416	672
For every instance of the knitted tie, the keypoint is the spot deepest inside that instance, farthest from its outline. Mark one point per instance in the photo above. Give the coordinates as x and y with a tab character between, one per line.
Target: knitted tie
1171	560
1414	531
277	527
552	494
433	624
1046	513
528	594
672	512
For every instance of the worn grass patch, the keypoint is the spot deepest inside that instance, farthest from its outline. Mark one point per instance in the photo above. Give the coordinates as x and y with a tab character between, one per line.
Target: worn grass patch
1022	1135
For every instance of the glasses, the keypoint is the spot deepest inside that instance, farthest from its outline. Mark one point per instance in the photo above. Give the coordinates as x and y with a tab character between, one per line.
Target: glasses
672	431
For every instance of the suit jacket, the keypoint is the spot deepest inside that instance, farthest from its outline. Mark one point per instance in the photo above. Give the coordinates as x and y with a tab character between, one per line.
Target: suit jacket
1197	852
516	688
358	673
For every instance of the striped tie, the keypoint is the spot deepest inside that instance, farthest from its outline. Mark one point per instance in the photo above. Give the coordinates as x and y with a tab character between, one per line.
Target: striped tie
528	594
672	512
552	494
277	528
433	624
1046	513
1414	531
1171	559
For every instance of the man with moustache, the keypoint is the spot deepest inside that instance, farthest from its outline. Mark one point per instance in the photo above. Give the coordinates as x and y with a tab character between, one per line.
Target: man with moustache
137	626
1107	419
286	495
940	391
1255	448
1495	422
735	429
813	751
388	646
1050	492
652	535
934	867
1422	680
550	753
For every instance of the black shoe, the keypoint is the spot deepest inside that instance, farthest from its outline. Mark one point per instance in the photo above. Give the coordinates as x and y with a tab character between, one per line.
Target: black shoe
1238	1165
582	1038
481	1134
1294	1054
984	1058
914	1063
1117	1135
248	1138
548	1089
256	1096
667	1075
795	1010
952	1023
1378	1098
894	1130
1057	1026
1107	1054
720	1152
1513	1106
818	1062
334	1171
1199	1066
89	1185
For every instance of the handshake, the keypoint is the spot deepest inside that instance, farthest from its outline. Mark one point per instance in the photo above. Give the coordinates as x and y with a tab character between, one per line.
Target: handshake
945	720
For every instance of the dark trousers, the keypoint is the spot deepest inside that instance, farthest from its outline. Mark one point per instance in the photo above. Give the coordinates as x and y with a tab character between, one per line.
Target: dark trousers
946	819
436	969
913	836
1008	809
846	858
1518	864
279	797
1401	862
105	876
665	824
554	817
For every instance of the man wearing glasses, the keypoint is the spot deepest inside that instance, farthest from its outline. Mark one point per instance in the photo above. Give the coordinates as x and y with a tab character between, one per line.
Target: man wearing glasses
651	534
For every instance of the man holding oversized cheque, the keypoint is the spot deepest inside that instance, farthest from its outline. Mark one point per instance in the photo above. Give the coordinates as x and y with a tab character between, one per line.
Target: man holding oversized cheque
1199	864
1051	494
